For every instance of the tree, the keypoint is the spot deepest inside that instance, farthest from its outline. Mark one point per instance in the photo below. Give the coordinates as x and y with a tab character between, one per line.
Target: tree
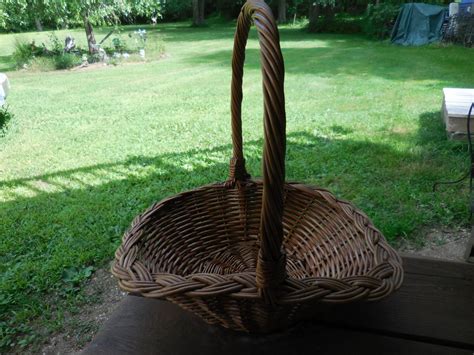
281	11
23	14
106	12
315	7
198	12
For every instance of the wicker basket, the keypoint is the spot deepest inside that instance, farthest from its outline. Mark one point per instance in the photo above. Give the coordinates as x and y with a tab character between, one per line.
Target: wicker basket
256	255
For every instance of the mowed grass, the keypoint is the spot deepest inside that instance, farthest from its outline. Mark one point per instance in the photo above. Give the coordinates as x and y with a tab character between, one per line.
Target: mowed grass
90	149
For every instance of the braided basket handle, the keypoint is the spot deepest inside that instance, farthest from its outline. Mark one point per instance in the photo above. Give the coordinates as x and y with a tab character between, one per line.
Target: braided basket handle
271	260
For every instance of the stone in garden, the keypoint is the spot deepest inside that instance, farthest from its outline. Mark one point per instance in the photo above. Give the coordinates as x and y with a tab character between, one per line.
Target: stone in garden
69	44
103	55
4	88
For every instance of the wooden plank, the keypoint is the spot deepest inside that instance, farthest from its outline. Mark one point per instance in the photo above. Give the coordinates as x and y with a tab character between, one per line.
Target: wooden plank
428	266
435	303
144	326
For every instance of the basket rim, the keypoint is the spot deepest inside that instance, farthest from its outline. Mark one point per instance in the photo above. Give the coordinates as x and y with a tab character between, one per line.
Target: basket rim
382	279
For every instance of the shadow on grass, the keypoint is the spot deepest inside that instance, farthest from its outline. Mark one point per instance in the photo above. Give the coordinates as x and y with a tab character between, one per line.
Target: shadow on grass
332	55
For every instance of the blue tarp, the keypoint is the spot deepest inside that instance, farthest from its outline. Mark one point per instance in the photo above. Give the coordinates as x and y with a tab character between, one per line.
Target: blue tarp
418	24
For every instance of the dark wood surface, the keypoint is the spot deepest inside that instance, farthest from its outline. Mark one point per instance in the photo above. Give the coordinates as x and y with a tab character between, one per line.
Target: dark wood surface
433	313
436	301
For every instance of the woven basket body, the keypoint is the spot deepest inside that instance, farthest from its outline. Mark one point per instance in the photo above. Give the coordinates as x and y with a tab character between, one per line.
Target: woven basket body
256	255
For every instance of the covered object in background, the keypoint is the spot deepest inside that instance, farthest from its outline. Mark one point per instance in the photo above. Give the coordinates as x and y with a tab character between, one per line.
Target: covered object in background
418	24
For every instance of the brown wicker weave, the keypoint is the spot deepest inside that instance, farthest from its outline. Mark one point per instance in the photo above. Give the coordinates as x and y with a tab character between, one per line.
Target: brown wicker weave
256	255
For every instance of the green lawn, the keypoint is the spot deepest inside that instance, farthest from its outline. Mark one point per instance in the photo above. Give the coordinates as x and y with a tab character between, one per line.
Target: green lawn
88	150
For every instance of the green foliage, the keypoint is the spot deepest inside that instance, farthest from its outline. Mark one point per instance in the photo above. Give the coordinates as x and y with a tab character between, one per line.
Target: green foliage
66	61
380	20
56	45
74	276
31	56
229	9
177	9
20	15
23	53
119	44
5	118
340	23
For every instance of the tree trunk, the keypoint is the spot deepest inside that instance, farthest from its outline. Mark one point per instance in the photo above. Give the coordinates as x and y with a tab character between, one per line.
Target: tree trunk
90	36
329	12
201	11
281	11
39	25
198	12
314	10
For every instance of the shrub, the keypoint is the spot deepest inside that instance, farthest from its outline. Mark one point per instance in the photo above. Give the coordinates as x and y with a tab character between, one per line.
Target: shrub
23	53
5	117
66	61
340	23
57	46
119	44
380	20
177	9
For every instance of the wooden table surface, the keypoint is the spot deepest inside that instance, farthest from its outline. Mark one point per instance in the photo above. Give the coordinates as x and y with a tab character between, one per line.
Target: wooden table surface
433	313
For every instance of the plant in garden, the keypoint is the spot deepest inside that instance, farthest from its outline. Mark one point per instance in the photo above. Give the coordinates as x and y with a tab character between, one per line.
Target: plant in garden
380	19
140	37
24	52
95	12
119	44
66	61
5	117
57	46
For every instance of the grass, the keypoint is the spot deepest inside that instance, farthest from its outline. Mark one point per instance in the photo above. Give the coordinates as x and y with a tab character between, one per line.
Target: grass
88	150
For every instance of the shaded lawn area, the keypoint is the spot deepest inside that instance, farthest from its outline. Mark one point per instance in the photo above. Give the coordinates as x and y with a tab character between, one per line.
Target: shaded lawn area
88	150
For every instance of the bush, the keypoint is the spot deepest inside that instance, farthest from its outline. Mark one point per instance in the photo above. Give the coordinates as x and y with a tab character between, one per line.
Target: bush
177	10
340	23
119	45
23	53
5	117
380	20
66	61
57	47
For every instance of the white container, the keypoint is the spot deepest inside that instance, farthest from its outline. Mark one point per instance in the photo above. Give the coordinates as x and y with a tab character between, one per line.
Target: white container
4	88
453	9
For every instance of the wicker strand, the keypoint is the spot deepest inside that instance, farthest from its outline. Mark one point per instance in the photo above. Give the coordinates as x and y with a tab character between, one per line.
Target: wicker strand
271	263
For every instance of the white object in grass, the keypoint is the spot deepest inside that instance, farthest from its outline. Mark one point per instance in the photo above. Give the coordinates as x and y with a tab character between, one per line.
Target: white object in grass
4	88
